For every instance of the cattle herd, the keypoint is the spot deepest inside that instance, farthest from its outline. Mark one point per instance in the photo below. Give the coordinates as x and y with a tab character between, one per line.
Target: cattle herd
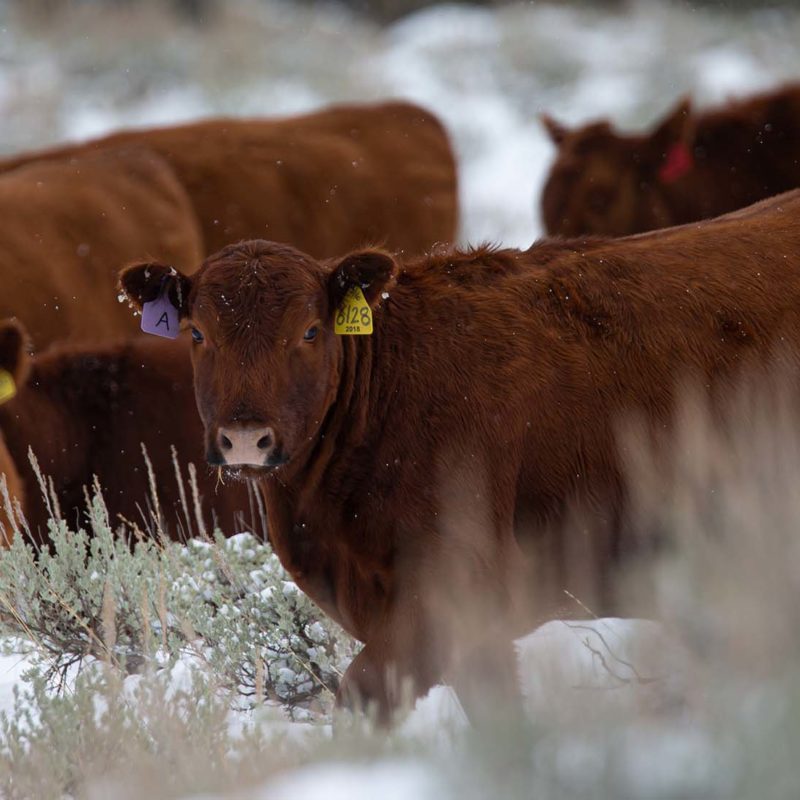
432	431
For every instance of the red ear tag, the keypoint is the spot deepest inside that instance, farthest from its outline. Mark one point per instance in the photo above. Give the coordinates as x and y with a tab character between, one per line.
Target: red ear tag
679	161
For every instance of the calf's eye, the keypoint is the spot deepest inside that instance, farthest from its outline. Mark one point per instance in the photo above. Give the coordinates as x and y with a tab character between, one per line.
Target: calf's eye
310	334
197	336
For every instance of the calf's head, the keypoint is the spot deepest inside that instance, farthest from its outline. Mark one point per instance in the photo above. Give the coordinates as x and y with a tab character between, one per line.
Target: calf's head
265	355
604	183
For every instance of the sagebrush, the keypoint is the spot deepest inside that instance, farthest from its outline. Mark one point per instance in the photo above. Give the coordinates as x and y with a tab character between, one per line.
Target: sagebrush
99	593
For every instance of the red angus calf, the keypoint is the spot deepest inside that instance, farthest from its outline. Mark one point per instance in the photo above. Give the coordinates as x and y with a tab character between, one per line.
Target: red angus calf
692	166
425	483
85	411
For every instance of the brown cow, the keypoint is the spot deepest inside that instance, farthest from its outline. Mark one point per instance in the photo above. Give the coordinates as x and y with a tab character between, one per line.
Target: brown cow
692	166
325	182
85	411
465	450
67	227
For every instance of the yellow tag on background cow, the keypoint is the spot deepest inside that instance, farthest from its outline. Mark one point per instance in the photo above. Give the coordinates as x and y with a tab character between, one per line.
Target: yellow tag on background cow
7	386
354	316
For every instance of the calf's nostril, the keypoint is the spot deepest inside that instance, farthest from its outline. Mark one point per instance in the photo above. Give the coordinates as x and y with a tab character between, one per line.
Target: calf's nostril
225	442
264	442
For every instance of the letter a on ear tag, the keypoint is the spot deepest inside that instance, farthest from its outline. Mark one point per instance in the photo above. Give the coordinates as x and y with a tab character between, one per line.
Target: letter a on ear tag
160	317
7	386
354	316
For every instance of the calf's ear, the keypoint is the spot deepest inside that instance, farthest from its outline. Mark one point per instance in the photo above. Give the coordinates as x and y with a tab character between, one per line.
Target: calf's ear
555	130
142	283
676	128
373	271
15	348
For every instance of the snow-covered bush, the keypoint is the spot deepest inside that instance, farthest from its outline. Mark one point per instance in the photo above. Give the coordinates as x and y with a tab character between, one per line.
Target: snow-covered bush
97	594
255	626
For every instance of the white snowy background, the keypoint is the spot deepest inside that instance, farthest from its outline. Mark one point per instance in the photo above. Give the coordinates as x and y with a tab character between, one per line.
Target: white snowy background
488	72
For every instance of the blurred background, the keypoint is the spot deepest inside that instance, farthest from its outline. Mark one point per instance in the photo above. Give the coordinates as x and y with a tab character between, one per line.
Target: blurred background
73	69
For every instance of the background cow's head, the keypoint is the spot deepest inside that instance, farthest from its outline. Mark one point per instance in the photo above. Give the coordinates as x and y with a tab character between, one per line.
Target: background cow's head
266	358
604	183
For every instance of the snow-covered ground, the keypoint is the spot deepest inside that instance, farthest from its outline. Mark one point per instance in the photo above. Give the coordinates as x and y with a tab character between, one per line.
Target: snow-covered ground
619	661
611	665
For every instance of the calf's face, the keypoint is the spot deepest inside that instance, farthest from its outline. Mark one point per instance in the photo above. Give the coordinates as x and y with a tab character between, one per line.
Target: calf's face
602	183
265	355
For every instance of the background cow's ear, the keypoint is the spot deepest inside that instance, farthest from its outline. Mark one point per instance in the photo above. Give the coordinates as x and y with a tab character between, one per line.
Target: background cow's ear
675	128
555	130
371	270
141	283
15	349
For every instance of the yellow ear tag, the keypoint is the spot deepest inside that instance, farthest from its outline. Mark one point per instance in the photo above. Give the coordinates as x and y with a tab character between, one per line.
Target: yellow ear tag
7	386
354	316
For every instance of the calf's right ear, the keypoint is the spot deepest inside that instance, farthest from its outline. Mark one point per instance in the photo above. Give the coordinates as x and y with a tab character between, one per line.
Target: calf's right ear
15	359
144	282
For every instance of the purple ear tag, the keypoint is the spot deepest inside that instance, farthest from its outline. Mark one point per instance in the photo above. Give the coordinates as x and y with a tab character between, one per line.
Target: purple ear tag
160	317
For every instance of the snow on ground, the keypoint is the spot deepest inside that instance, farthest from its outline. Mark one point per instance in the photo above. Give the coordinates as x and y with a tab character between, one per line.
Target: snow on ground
613	659
12	669
617	664
614	664
387	780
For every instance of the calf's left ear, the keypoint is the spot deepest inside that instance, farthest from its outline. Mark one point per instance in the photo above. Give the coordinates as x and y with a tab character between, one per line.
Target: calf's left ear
555	130
144	282
373	271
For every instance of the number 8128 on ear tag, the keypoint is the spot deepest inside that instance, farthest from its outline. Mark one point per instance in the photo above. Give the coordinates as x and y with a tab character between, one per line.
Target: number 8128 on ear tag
354	316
